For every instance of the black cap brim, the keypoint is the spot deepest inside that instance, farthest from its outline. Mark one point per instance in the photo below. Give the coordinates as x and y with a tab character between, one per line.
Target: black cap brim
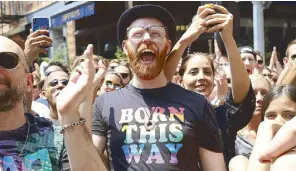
145	11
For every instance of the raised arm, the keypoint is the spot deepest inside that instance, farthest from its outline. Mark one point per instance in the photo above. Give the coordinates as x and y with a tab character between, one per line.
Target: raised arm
81	151
274	62
193	32
266	132
85	108
290	77
283	141
284	74
239	77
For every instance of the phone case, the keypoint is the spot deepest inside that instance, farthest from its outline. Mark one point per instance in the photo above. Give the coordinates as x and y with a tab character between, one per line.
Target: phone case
41	23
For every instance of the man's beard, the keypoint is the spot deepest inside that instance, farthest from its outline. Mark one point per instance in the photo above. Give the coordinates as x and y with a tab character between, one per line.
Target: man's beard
146	71
10	98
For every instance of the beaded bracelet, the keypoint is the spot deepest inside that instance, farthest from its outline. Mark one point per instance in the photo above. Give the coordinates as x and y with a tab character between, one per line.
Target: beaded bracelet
80	122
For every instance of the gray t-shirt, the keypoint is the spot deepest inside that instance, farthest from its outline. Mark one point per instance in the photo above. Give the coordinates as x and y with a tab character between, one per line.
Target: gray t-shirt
243	146
184	121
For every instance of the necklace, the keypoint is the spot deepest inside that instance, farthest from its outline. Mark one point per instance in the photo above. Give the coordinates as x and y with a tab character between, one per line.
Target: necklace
28	132
150	124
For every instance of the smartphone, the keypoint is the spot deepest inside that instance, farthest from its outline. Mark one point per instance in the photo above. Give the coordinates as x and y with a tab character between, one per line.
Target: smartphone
211	2
41	23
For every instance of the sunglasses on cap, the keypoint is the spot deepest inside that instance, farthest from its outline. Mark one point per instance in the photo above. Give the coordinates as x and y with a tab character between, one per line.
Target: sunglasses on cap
260	62
110	84
9	60
55	82
124	75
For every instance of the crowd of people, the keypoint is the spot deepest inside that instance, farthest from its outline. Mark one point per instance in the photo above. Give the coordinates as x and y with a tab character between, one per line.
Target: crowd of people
159	109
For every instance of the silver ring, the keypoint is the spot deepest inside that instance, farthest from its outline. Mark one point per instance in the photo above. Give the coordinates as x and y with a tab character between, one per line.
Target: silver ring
149	125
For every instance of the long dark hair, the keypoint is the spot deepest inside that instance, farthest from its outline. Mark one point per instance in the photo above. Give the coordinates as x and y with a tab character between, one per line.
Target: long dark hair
186	59
282	90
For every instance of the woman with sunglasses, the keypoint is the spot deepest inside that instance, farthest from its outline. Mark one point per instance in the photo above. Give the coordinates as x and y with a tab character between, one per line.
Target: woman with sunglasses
125	73
111	82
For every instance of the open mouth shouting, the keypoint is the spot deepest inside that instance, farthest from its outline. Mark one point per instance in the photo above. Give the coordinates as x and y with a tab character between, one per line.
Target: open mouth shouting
147	56
249	71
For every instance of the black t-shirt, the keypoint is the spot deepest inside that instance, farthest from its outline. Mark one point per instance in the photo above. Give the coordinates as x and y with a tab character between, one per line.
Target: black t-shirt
184	122
233	117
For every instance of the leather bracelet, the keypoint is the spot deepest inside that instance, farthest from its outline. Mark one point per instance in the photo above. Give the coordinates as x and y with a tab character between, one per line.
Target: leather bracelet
80	122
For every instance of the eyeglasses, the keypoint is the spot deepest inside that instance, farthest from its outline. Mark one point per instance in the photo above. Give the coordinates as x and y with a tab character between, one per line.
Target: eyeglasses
9	60
260	62
155	32
110	84
55	82
267	75
124	75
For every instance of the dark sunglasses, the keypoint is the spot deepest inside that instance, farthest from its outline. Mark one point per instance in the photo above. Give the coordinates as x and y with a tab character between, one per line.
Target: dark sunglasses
9	60
260	62
124	75
110	84
55	82
293	57
267	75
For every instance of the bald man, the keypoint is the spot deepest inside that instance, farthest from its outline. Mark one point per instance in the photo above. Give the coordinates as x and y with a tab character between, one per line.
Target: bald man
23	136
33	143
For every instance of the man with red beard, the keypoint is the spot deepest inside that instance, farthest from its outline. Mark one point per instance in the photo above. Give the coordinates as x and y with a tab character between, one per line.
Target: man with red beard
153	124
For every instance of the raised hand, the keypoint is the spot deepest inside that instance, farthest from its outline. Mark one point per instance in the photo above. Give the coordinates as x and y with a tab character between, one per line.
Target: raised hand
221	83
197	26
101	68
75	92
33	43
274	55
273	126
222	21
37	70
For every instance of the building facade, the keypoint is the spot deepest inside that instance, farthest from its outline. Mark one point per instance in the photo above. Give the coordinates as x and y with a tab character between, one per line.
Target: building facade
261	25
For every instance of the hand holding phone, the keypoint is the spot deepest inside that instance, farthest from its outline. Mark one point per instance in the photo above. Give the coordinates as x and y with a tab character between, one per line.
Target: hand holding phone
220	22
41	24
38	41
217	12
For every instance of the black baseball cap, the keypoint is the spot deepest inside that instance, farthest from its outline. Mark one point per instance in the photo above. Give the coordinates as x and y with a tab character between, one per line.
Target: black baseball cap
144	11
